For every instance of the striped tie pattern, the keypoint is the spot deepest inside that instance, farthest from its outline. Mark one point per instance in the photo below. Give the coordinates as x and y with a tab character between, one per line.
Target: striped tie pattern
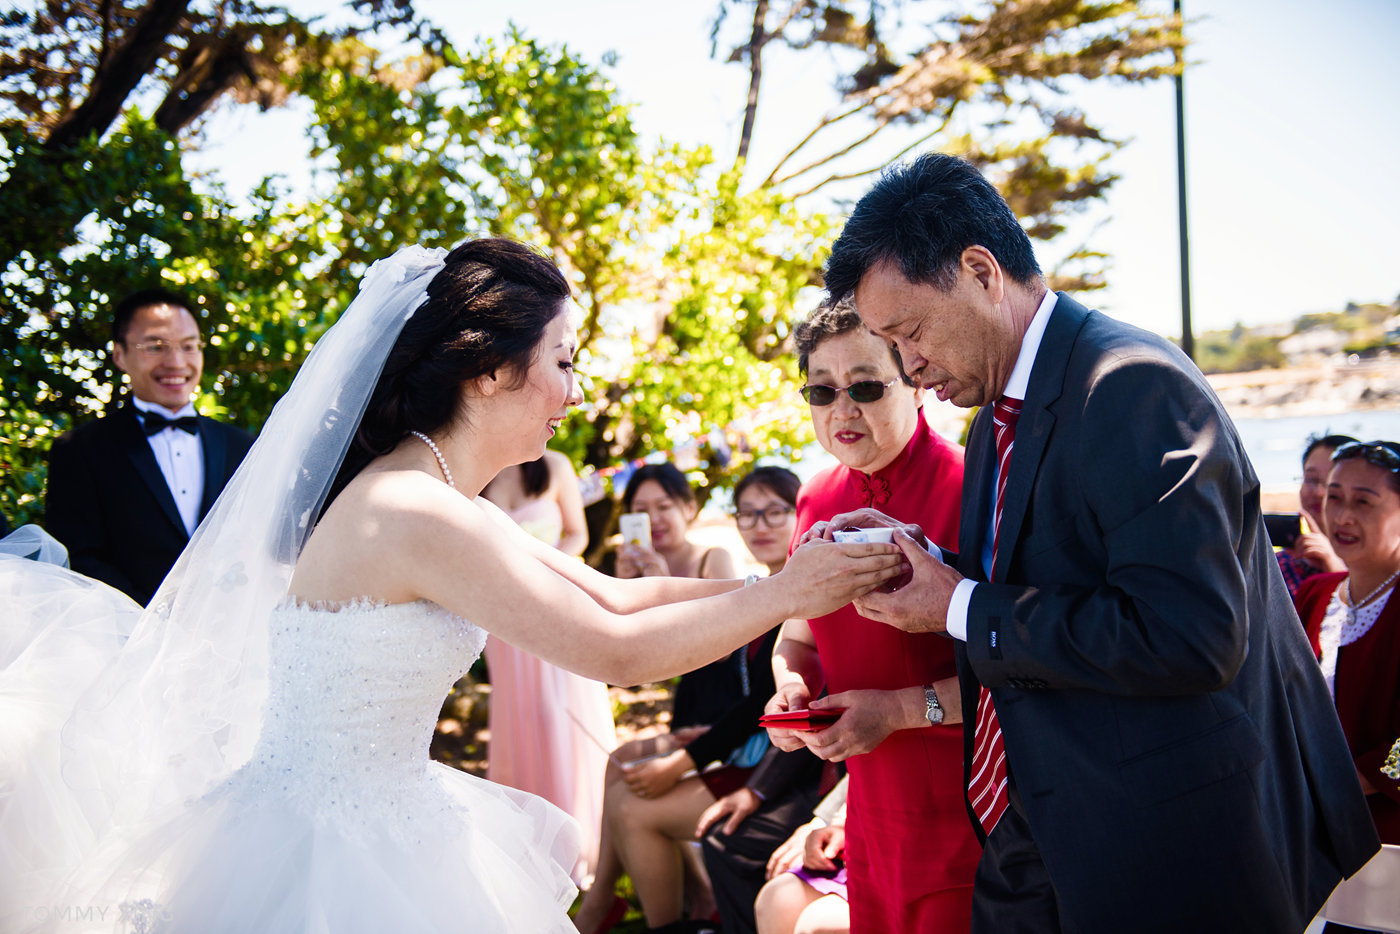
986	788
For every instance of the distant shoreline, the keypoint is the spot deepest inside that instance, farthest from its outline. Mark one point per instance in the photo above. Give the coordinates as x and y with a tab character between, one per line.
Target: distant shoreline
1325	389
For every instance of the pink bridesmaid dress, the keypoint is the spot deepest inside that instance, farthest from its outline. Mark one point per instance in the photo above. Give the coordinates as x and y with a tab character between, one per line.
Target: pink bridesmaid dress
549	727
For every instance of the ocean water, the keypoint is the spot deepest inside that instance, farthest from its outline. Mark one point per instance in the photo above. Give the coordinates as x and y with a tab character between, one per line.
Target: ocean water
1275	445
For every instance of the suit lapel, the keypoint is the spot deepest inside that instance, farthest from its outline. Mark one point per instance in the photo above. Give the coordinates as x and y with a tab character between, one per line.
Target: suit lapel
213	442
138	449
1037	422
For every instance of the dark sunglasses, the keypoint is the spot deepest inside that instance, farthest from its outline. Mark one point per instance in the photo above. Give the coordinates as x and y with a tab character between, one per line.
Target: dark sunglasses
1377	453
867	390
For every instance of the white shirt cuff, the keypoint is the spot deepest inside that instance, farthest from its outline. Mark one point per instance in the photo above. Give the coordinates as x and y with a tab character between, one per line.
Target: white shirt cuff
957	609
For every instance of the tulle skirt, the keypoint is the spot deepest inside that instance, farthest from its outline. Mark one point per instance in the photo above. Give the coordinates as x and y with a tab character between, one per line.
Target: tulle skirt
240	863
426	848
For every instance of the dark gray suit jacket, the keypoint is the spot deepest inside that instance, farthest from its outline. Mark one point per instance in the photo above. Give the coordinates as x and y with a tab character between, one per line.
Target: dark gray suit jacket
110	506
1170	739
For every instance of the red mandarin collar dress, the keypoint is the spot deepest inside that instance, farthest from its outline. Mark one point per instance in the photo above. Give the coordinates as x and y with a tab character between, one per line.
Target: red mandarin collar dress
910	848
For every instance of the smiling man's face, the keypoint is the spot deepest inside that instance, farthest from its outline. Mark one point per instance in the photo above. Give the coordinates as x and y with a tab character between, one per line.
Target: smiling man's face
167	379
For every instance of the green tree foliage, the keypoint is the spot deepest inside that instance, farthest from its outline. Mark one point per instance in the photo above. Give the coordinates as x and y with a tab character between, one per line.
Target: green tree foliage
1236	351
687	280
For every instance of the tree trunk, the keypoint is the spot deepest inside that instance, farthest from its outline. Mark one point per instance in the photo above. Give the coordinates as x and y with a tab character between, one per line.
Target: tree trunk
118	74
756	42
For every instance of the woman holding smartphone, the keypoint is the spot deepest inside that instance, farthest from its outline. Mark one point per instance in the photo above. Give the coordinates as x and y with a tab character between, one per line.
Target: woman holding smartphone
653	795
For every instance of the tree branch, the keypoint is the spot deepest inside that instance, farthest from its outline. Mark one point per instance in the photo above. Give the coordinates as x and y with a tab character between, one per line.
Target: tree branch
118	75
757	39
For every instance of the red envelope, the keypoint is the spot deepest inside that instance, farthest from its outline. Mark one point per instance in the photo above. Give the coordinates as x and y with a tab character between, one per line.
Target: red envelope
803	720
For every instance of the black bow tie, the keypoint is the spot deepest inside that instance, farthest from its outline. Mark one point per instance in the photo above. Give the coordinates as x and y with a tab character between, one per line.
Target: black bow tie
153	422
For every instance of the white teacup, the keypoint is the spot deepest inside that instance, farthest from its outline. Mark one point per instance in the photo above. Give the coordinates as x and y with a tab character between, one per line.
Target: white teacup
864	536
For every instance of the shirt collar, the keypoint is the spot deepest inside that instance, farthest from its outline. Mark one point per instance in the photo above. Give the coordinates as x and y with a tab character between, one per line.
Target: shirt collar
1020	379
143	406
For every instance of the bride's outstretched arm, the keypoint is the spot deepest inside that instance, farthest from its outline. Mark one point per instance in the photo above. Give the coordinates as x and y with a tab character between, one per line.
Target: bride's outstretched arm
455	555
611	593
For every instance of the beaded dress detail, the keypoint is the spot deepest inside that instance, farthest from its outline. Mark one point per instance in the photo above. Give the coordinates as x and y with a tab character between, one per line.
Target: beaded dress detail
340	822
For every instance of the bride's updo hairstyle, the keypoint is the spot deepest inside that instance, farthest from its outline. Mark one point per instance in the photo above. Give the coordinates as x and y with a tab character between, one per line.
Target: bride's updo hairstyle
486	313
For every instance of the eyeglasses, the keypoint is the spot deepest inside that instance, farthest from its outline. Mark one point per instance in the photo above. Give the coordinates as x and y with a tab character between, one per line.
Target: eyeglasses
159	348
867	390
1377	453
773	516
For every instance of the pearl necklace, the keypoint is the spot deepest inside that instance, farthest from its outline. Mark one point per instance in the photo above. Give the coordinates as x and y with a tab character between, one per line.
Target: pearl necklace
1358	604
442	461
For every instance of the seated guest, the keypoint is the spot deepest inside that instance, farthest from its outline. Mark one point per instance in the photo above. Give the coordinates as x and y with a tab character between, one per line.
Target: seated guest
649	807
740	833
125	492
806	892
1353	618
1311	552
912	850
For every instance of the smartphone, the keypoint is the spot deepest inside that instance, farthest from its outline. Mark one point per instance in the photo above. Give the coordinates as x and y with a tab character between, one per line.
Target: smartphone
1283	528
635	528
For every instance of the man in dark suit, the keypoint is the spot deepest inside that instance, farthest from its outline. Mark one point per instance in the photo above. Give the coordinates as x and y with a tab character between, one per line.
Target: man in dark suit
126	492
1167	758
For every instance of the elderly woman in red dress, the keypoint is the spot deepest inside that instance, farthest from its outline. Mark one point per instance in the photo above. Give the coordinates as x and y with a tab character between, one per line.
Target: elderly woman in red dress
1353	617
911	849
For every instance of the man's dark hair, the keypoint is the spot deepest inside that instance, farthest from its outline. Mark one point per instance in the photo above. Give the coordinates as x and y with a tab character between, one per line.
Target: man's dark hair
832	320
127	308
920	216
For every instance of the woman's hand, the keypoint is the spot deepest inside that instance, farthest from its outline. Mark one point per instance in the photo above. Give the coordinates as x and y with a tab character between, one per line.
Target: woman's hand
788	855
734	807
1314	547
790	696
821	577
654	777
870	716
636	561
865	518
823	847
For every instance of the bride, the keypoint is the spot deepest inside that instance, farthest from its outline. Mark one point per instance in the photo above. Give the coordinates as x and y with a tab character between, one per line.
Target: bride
254	758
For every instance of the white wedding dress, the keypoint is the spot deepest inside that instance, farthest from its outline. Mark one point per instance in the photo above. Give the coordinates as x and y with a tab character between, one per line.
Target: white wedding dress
339	822
227	760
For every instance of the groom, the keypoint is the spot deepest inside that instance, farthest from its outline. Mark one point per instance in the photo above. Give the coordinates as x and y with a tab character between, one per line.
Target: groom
125	492
1150	746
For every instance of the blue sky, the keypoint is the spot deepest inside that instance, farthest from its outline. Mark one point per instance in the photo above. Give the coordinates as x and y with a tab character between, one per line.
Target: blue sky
1293	141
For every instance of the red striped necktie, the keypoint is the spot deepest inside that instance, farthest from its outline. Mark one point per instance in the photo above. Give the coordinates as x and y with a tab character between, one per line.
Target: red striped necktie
986	789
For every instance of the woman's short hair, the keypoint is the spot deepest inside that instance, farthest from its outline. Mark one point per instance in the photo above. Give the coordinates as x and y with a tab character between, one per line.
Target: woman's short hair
832	320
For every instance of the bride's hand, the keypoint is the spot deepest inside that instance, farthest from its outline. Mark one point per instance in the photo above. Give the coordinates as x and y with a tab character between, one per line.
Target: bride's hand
824	576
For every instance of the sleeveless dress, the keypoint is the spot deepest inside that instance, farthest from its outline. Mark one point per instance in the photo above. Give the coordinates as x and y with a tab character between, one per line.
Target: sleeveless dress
550	728
340	822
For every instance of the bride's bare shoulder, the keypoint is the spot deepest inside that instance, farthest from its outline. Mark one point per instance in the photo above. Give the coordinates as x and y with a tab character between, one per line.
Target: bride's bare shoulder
375	528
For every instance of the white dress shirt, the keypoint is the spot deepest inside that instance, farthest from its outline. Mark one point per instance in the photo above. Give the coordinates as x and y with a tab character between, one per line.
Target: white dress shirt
1015	388
181	460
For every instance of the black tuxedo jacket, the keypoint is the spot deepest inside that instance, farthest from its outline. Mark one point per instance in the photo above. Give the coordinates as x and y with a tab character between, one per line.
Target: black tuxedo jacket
1168	735
110	506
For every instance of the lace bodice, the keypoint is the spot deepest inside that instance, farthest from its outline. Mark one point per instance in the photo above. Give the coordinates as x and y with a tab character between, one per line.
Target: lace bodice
353	698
